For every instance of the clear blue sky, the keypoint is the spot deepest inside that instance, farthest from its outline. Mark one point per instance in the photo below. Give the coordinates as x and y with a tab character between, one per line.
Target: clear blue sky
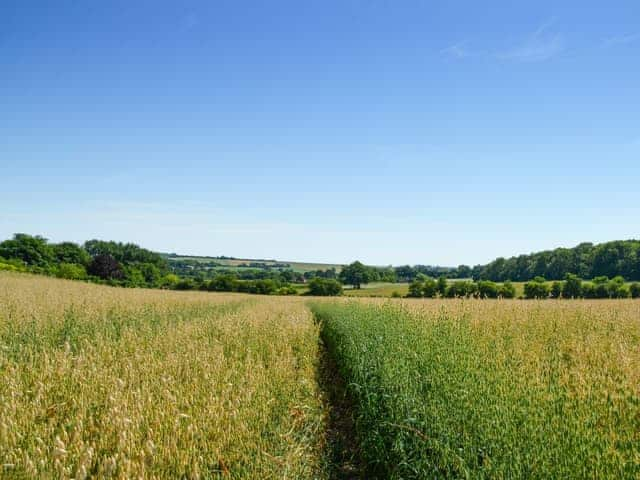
437	132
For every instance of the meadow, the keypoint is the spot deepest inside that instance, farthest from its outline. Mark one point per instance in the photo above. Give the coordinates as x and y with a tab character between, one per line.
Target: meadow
104	382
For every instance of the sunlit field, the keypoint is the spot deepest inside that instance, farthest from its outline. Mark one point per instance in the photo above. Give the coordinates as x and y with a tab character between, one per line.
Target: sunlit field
102	382
125	383
491	389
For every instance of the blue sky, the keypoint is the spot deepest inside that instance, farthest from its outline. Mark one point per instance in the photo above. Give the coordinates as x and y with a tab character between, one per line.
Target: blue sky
388	131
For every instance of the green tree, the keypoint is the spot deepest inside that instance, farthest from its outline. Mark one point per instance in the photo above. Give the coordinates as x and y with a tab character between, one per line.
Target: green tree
324	287
537	288
31	250
507	290
69	252
355	274
416	288
442	285
556	289
572	286
634	290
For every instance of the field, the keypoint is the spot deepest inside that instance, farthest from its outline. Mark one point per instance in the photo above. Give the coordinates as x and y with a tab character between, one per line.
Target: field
300	267
132	383
155	384
491	389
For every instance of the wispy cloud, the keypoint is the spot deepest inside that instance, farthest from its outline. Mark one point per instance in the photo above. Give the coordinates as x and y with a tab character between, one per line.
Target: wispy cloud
541	45
457	50
621	39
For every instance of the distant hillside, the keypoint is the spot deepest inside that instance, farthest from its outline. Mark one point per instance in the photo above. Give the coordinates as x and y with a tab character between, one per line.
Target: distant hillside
232	262
620	257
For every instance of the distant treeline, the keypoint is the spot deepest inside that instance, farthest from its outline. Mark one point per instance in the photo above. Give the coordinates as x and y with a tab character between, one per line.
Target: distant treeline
539	288
428	287
611	259
114	263
128	265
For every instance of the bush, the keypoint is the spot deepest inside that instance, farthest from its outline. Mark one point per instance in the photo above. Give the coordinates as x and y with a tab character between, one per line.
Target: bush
556	289
71	271
324	287
507	290
487	289
634	290
572	286
537	288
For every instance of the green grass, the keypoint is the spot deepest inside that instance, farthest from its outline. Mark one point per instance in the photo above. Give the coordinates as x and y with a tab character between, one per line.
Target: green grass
472	389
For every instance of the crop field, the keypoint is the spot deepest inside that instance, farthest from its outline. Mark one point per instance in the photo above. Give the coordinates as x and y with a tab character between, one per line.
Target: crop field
102	382
491	389
109	382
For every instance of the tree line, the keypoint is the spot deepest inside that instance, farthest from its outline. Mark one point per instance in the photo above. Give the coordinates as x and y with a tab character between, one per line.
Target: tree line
128	265
428	287
610	259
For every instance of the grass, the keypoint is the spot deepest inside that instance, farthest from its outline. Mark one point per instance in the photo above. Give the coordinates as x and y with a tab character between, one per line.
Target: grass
491	389
108	382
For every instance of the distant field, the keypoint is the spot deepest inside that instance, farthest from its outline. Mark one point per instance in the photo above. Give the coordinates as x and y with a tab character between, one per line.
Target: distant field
300	267
379	289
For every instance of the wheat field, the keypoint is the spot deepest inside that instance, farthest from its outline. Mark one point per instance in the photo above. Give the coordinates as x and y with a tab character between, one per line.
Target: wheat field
119	383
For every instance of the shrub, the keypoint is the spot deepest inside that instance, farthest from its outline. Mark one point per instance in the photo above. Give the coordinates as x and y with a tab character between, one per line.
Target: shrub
556	290
572	286
537	288
507	290
71	271
487	289
324	287
634	290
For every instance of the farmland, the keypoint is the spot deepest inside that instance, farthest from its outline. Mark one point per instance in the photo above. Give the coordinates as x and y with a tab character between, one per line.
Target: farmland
101	382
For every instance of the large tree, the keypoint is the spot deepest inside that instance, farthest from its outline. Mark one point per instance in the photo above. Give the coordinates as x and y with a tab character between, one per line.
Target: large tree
31	250
355	274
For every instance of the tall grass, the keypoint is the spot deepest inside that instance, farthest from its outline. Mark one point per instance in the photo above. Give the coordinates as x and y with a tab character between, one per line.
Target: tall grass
481	389
105	382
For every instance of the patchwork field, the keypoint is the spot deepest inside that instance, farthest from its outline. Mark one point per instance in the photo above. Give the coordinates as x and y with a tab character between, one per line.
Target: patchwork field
128	383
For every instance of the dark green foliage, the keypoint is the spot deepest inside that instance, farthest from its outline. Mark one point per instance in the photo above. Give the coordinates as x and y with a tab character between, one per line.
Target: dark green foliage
125	253
324	287
68	252
32	250
634	290
572	287
556	289
537	288
586	261
355	274
442	286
